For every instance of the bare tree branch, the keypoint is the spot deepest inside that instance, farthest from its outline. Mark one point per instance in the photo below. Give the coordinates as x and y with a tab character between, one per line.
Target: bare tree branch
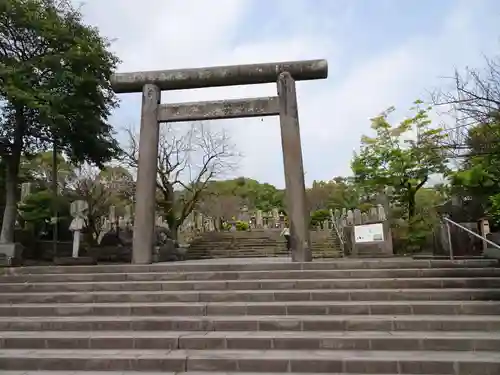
474	99
189	157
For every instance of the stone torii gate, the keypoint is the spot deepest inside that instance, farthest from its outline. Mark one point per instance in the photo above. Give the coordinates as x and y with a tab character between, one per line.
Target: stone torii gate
283	105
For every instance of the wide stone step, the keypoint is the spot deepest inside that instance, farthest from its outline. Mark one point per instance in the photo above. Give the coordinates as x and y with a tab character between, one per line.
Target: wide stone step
255	308
253	246
257	295
317	323
273	284
166	373
326	361
252	275
451	341
279	264
316	254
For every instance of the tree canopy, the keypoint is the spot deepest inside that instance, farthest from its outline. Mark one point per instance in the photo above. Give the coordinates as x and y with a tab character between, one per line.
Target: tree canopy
54	83
402	156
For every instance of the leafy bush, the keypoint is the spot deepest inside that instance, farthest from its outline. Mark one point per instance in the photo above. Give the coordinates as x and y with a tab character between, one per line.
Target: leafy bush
242	226
494	210
412	236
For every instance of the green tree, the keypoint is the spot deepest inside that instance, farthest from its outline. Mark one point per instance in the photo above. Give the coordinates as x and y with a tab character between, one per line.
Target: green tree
403	156
319	216
338	193
235	193
54	81
37	168
36	210
478	176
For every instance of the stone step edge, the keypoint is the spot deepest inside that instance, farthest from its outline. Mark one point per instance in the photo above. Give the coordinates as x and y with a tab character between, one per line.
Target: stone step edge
275	340
315	303
368	335
294	308
265	291
253	323
266	281
394	302
56	372
284	318
368	362
227	275
268	271
396	263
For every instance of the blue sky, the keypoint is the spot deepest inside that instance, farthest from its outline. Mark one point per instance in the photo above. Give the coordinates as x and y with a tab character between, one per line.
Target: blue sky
380	53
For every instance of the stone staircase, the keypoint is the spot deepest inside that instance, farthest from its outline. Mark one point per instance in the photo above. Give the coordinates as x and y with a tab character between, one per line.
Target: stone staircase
393	316
257	243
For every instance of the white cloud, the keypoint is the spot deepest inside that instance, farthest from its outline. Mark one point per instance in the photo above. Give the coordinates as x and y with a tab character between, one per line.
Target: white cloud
334	113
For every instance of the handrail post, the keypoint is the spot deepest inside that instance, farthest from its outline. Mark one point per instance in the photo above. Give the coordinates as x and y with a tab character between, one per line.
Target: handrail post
450	245
339	236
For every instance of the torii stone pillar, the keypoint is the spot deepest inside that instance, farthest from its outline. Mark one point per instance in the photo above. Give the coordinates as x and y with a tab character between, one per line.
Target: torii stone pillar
294	169
284	106
145	203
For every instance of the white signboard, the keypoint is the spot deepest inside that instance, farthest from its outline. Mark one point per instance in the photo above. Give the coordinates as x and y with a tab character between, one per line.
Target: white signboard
369	233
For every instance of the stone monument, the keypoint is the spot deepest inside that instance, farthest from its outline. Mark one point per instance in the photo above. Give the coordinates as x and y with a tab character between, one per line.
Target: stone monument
78	210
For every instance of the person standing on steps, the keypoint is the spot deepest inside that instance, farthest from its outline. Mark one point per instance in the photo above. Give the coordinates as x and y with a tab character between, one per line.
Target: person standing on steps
286	233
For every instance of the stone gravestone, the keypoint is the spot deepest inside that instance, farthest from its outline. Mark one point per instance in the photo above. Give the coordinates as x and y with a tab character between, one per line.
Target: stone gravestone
25	193
128	214
25	190
244	216
78	210
112	217
259	222
199	222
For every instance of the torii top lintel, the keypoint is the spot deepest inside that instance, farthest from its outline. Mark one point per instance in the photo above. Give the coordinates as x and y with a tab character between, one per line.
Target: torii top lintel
231	75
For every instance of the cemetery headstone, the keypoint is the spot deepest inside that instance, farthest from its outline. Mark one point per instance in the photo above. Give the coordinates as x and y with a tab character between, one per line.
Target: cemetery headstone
25	190
259	223
112	215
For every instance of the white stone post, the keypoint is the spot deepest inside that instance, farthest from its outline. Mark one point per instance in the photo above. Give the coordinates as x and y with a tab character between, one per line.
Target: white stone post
78	210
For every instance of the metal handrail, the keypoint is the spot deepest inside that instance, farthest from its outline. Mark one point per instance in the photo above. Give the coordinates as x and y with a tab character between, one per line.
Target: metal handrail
342	245
449	221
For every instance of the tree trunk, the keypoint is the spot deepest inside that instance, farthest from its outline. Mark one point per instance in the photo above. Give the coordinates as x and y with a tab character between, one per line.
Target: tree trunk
174	229
412	193
10	211
55	235
11	181
411	204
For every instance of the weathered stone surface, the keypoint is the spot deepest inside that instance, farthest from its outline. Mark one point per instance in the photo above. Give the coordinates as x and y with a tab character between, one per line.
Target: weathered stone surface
254	296
438	341
172	275
70	261
253	323
263	265
295	191
220	109
235	75
346	317
492	253
320	361
256	243
144	220
257	284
